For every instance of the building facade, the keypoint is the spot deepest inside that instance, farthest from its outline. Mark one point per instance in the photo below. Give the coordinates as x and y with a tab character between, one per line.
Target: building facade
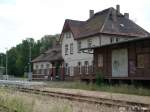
102	28
48	65
128	60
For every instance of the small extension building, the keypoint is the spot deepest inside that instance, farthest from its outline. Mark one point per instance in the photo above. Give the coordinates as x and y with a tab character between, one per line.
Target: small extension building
47	66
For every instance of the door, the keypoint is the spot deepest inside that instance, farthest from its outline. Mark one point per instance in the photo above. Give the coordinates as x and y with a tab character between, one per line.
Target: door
120	63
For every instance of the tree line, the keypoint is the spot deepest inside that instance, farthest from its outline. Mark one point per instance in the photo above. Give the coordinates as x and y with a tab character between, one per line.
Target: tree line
18	56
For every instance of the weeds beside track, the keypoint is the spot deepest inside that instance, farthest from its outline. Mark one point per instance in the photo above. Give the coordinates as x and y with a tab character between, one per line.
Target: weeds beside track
126	105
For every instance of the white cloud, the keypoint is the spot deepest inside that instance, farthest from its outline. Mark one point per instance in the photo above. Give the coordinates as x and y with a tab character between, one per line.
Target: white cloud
34	18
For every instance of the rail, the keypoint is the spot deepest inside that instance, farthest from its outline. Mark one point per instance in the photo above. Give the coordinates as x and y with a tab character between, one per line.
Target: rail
133	106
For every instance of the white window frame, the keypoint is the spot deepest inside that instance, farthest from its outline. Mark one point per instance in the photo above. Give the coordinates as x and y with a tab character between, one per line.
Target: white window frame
86	64
117	39
66	49
71	48
79	67
42	66
112	39
36	67
68	35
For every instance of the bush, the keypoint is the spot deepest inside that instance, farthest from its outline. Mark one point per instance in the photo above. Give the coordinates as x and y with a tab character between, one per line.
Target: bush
99	78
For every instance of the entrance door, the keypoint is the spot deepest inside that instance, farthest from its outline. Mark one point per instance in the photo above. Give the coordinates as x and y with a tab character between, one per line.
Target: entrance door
120	63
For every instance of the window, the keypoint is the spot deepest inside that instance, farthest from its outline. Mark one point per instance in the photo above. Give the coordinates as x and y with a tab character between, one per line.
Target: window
100	41
89	43
66	49
47	65
68	35
71	48
36	66
79	67
92	63
140	60
86	64
112	40
42	66
100	60
67	69
117	39
79	46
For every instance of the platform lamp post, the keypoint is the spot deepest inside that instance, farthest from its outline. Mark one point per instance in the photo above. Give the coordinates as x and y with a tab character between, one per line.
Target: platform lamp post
1	67
6	75
1	60
29	63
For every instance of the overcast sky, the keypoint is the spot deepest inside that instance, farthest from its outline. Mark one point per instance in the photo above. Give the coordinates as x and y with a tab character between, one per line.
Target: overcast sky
20	19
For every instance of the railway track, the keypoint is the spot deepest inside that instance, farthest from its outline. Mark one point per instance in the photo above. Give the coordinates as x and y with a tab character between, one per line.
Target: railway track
125	105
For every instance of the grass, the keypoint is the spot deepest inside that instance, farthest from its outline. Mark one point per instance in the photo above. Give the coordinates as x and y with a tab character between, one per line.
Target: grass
117	88
25	102
19	102
14	103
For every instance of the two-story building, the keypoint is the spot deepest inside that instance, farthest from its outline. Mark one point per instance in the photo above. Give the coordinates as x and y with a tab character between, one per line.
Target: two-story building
102	28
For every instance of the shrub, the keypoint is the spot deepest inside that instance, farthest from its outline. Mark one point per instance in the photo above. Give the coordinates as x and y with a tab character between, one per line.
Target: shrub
99	78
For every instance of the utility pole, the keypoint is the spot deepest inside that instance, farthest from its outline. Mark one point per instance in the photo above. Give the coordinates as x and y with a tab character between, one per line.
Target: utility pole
1	67
6	65
1	60
30	73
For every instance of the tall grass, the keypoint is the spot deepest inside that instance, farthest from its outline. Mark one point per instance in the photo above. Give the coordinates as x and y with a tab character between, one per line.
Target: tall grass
19	102
14	103
117	88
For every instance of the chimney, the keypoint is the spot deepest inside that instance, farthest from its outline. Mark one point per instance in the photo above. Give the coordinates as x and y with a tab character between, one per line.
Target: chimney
118	9
126	15
91	13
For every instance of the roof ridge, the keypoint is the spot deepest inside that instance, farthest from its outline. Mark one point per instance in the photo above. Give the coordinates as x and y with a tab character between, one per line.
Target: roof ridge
110	9
74	20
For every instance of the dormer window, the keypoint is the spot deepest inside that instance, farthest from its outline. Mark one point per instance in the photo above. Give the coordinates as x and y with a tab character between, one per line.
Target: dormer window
67	34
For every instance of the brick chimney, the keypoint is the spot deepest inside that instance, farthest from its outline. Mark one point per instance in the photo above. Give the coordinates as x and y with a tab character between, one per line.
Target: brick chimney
126	15
118	9
91	13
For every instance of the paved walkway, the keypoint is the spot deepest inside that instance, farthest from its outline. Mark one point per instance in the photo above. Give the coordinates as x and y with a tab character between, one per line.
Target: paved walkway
21	83
115	96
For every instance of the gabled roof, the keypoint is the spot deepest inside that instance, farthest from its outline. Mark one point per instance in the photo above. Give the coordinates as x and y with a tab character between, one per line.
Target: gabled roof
53	54
107	21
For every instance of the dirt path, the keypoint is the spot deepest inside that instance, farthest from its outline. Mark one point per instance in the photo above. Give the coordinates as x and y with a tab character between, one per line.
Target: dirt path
114	96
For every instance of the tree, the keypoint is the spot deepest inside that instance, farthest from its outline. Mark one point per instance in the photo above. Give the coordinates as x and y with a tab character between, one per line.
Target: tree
18	57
